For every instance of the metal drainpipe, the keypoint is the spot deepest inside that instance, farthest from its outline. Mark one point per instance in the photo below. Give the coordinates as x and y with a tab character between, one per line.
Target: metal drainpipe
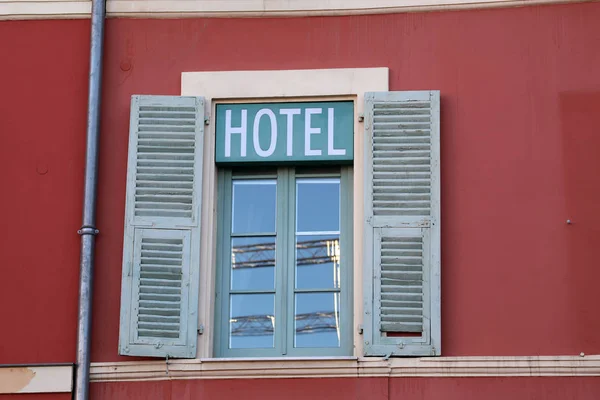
88	230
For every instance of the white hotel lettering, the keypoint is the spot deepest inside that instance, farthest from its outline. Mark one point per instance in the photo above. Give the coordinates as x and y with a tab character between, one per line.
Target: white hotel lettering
309	131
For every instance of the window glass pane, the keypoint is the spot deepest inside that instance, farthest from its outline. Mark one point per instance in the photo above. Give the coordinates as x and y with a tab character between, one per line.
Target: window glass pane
253	209
252	321
253	263
318	262
317	320
318	205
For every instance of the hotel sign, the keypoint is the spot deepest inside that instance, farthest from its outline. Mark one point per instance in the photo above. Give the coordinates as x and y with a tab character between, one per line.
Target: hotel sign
285	132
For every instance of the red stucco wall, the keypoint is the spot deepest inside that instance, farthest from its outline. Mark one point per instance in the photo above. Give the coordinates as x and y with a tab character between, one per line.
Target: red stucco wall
37	396
363	388
43	75
520	99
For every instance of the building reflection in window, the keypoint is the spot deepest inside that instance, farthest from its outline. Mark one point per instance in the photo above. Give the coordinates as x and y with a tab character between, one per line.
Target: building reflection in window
322	255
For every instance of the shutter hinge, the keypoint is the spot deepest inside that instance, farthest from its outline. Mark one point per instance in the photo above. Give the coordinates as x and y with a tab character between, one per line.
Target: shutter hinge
361	117
206	121
200	329
360	329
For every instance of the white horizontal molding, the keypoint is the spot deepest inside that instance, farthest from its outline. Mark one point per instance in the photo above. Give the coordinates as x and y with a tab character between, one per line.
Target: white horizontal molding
44	9
36	379
26	9
348	367
537	366
227	85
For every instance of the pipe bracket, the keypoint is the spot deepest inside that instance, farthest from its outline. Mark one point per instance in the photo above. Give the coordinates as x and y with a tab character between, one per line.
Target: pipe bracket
88	230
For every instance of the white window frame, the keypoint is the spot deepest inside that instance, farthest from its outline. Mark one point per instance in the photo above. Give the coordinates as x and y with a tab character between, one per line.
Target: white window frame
289	85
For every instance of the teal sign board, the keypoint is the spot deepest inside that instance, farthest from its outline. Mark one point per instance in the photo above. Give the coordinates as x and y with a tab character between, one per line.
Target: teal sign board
285	132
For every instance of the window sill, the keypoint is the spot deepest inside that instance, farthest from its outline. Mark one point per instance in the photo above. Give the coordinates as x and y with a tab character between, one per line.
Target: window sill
345	367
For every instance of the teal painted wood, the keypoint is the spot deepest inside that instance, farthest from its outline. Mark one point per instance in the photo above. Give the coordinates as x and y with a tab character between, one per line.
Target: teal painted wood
286	214
347	253
402	224
345	291
285	261
222	304
285	132
221	292
161	263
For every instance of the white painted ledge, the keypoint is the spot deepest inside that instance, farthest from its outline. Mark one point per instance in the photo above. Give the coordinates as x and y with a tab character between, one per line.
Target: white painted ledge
47	9
235	85
535	366
36	379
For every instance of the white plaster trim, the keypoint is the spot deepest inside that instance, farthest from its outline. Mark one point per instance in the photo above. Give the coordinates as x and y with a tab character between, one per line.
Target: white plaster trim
534	366
276	85
286	83
48	9
44	9
36	379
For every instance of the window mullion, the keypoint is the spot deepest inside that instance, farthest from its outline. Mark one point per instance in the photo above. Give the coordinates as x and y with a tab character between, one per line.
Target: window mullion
291	259
281	261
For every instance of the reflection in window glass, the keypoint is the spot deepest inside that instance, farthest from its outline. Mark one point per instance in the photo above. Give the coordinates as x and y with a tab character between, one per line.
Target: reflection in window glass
254	205
287	262
318	205
318	262
317	320
253	263
252	321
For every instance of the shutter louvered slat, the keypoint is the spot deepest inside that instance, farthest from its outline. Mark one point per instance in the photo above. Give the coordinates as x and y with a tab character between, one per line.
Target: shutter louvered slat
401	276
161	264
158	175
394	126
402	210
398	162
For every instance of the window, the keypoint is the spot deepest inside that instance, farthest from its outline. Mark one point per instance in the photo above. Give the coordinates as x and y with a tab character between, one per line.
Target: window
284	268
166	254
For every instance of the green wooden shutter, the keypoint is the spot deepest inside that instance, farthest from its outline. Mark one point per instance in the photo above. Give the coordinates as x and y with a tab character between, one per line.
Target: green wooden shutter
161	249
402	224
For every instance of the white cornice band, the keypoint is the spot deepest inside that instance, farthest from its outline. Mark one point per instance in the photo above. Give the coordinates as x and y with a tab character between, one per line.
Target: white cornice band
68	9
59	379
536	366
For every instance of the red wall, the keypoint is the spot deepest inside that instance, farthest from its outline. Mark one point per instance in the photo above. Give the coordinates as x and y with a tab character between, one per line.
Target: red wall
37	396
351	389
520	99
43	74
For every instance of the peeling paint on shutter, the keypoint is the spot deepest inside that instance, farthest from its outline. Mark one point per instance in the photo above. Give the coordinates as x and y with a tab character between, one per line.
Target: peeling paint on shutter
402	231
159	301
